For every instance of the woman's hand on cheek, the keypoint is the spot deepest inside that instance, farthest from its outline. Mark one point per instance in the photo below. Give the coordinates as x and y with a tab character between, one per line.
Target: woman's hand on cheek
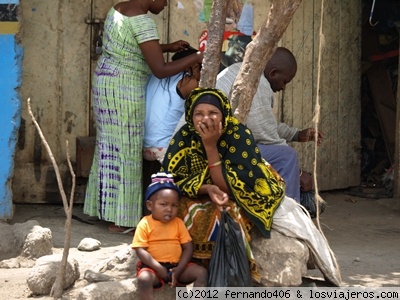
209	132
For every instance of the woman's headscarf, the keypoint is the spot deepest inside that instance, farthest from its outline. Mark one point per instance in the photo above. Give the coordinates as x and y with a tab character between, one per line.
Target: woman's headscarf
253	184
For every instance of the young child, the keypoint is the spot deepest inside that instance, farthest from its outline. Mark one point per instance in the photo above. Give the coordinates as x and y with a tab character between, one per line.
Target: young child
162	242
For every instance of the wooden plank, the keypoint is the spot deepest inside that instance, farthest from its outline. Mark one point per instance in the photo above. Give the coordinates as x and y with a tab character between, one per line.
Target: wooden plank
304	50
328	96
349	164
297	100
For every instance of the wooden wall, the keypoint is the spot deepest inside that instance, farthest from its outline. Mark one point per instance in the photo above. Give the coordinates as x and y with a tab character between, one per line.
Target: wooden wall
57	68
330	58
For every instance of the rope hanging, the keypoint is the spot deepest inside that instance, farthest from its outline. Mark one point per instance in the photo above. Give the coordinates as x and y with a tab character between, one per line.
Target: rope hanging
316	119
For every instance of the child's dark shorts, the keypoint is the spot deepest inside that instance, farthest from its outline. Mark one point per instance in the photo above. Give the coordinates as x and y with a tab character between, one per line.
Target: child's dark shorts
140	267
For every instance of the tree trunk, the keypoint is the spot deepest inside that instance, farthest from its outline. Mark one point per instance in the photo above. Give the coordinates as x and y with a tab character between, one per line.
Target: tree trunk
212	55
258	52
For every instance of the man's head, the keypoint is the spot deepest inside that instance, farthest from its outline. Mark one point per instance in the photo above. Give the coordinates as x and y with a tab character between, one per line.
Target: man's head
280	69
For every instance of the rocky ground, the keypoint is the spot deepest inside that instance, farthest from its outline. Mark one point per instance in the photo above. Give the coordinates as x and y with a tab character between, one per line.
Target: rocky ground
364	234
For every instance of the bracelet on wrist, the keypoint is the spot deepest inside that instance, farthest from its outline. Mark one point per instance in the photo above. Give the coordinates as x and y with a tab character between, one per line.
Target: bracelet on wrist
214	164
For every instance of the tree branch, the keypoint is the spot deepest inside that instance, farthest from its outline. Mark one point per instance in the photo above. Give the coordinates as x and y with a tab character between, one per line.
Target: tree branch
58	286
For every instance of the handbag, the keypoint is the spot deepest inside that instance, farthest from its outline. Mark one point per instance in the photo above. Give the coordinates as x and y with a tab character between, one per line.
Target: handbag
229	266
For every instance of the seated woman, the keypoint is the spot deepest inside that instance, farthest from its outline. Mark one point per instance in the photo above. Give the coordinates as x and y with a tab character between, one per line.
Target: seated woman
213	158
216	163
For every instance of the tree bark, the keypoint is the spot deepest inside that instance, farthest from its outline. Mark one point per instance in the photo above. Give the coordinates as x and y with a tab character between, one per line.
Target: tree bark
258	52
212	55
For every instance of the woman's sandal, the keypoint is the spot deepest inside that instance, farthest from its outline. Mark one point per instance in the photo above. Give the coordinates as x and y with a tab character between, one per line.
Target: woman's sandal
121	229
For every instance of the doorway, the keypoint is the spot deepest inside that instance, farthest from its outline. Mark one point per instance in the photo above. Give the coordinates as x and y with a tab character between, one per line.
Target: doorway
379	69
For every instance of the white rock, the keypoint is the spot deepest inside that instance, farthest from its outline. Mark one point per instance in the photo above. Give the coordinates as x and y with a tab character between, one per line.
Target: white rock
282	261
121	290
89	244
38	243
43	274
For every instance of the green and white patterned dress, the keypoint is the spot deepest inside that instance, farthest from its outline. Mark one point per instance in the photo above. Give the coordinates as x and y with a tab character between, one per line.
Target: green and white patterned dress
114	190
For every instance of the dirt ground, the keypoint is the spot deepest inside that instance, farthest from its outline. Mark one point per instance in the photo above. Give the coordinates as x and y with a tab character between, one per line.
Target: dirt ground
363	233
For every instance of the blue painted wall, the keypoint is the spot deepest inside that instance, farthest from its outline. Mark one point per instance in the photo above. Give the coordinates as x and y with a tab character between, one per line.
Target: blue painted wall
10	111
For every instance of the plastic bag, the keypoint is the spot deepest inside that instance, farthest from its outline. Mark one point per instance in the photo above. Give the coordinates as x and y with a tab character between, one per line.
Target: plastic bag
229	266
307	199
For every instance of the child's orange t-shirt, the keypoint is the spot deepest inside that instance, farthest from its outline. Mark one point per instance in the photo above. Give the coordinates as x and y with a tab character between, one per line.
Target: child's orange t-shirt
162	240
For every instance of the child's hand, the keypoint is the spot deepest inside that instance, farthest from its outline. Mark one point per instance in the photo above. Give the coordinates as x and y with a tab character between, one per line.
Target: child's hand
174	273
162	272
173	281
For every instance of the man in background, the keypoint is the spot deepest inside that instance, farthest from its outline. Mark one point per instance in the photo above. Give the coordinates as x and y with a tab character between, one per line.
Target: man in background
272	137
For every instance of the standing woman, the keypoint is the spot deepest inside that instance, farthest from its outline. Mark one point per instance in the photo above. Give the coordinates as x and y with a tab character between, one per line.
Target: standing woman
131	52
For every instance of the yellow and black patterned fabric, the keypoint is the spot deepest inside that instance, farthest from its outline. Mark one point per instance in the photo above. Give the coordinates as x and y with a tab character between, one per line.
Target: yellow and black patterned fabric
254	185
